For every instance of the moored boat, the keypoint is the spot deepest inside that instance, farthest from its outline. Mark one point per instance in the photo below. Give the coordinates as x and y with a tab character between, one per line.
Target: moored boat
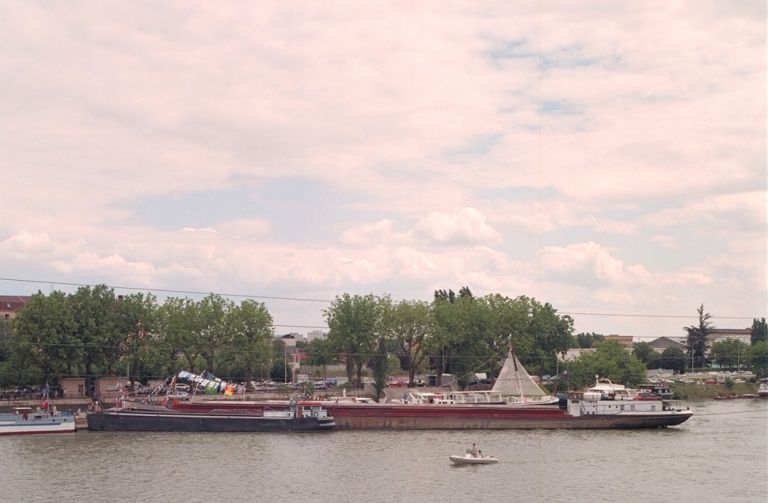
762	390
604	406
29	421
588	410
295	418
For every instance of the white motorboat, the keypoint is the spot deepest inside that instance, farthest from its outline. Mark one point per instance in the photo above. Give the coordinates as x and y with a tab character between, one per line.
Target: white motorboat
762	391
469	459
25	420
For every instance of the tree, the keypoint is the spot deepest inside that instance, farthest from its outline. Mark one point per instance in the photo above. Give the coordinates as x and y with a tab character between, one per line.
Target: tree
93	310
758	359
551	335
379	363
177	319
445	329
672	358
730	353
45	338
136	321
645	353
470	348
588	340
609	360
759	331
352	323
697	338
408	323
213	329
249	351
321	353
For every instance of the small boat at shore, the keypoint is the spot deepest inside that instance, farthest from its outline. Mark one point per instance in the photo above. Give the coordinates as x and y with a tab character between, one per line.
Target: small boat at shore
762	390
469	459
29	421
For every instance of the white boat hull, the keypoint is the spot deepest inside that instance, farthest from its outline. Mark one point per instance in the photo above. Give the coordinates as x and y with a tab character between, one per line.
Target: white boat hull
468	459
31	428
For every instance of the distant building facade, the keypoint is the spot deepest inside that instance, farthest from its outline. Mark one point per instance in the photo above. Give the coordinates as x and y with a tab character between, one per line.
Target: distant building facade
315	334
574	354
662	343
722	334
11	304
624	341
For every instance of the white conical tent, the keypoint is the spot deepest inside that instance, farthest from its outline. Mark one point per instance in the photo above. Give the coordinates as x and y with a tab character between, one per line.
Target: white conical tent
514	380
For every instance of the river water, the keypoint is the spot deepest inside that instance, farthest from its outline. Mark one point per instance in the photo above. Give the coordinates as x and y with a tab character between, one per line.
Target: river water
719	455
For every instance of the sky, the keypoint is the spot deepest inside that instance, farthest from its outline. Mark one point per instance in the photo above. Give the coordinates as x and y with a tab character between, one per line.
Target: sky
606	157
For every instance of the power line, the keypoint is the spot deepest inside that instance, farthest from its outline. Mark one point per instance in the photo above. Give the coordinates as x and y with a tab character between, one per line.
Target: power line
328	301
630	315
168	290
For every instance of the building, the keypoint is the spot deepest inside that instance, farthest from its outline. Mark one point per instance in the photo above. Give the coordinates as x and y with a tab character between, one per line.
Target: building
10	305
315	334
109	388
624	341
722	334
72	387
662	343
574	354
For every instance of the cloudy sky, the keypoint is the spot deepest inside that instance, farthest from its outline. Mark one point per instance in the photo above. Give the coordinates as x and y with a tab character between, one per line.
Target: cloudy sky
606	157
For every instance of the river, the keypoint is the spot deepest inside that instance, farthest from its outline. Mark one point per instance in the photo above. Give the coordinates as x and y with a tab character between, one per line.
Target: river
719	455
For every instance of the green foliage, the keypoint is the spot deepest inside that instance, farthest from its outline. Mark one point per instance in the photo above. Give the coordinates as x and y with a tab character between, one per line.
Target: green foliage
474	334
672	358
320	352
44	340
759	331
246	351
730	353
758	358
697	338
645	353
609	360
137	323
408	323
588	340
353	322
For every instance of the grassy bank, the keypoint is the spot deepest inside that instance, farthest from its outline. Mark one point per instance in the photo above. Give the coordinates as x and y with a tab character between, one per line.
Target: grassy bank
710	391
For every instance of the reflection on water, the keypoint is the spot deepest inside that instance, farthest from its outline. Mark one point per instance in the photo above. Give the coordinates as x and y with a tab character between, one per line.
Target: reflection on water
721	454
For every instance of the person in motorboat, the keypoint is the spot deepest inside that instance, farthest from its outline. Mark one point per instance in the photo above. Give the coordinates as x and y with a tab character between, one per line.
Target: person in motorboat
473	451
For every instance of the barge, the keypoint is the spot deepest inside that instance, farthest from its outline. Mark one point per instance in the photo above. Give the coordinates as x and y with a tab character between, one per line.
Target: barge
581	411
292	418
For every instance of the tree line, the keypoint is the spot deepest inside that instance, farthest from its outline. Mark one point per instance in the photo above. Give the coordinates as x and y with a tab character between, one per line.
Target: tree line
94	332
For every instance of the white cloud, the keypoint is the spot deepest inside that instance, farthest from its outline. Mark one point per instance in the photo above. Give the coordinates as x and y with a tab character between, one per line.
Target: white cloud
467	225
596	260
244	228
377	232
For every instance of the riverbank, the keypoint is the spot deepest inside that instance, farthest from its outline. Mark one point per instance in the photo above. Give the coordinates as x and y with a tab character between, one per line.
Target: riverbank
691	391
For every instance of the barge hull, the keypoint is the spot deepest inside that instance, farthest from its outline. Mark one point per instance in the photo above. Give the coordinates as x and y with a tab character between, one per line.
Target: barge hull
524	419
148	421
466	417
